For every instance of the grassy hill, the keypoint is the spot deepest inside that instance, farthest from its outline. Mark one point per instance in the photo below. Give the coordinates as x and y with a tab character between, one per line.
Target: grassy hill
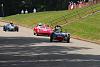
77	21
87	28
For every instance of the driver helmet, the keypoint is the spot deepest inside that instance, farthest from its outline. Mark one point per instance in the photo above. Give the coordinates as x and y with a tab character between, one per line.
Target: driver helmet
11	23
58	26
40	24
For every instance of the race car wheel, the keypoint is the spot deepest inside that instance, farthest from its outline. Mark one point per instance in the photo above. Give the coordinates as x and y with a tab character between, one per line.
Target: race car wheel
68	38
16	29
36	34
4	28
51	38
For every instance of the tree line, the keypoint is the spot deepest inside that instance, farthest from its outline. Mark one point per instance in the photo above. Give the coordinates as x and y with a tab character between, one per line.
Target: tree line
11	7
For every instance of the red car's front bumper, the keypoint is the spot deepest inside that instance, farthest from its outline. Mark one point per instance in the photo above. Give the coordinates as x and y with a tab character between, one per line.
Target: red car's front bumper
44	33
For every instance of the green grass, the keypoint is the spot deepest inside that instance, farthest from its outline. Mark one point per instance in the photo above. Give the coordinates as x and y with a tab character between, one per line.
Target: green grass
51	17
86	28
31	18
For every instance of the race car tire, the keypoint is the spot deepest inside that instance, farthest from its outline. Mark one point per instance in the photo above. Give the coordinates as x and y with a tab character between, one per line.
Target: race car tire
36	34
4	28
51	37
16	29
68	38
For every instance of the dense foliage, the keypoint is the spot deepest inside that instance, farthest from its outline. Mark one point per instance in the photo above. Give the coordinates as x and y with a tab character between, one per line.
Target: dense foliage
11	7
15	6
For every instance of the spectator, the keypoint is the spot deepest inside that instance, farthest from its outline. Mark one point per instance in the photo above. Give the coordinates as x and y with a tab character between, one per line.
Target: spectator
69	6
26	11
22	12
74	5
34	10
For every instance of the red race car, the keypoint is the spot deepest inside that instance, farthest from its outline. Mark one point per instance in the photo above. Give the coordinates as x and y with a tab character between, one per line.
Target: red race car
42	30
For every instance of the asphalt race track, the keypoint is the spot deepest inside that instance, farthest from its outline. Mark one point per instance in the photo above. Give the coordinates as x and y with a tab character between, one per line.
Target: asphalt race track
23	49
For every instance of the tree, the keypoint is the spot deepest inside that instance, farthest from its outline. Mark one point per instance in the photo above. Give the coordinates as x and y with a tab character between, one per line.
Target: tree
15	6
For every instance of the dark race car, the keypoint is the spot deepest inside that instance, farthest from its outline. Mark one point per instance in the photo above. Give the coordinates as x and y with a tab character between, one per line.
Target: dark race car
58	35
10	27
42	30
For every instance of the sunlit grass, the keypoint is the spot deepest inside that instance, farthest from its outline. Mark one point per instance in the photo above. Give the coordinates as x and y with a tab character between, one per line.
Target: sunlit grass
88	28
